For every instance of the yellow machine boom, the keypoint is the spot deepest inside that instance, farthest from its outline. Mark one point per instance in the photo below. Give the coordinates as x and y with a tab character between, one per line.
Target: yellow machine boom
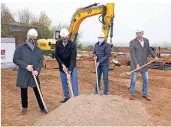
92	10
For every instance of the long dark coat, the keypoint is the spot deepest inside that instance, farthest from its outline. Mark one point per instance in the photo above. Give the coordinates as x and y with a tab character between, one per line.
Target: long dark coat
24	56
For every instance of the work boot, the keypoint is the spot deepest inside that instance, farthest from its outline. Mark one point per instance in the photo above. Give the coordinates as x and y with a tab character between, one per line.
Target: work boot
24	111
44	111
65	99
132	97
145	97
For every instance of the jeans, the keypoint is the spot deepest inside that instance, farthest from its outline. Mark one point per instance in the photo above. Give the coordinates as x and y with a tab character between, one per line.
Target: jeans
65	83
145	82
105	70
24	98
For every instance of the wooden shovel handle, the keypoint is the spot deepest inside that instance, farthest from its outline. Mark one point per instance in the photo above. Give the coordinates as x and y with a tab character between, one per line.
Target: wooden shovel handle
141	67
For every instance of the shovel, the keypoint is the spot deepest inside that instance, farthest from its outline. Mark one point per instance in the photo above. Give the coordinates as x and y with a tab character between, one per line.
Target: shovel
97	82
70	87
129	73
40	93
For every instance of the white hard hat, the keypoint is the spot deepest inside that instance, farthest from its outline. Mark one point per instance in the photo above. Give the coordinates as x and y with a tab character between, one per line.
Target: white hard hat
101	35
32	32
64	32
139	30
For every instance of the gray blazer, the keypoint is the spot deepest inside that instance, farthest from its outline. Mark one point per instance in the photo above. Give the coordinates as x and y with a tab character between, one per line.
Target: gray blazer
24	56
139	54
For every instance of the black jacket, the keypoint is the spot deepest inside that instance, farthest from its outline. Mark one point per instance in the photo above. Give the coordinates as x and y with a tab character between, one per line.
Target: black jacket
66	55
24	56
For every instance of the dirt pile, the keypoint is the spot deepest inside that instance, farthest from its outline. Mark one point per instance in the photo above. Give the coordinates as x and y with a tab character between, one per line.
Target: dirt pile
94	110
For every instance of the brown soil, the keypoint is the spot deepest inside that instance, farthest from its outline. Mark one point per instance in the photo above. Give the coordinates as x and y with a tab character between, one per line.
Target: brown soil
158	109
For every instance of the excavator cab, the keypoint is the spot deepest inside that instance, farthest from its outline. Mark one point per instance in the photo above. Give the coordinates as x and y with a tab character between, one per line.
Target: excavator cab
57	35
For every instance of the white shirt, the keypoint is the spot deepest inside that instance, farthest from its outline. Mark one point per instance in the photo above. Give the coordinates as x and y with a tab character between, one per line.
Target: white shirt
100	43
64	44
141	42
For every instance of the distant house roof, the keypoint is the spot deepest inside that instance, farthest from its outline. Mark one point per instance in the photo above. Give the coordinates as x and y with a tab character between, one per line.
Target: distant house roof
19	27
18	24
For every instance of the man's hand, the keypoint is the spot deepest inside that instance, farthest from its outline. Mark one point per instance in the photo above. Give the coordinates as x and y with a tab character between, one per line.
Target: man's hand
35	73
138	67
95	58
156	59
29	68
64	68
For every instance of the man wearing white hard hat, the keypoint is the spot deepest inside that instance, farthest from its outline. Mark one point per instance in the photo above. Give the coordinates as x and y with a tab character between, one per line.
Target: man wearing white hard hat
139	51
28	57
101	53
66	54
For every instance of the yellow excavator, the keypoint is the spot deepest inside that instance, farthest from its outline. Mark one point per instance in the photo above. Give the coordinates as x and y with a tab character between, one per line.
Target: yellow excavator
107	14
106	18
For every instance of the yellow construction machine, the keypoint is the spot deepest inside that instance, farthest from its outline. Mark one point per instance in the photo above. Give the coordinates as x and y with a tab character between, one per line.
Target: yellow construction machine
106	18
47	45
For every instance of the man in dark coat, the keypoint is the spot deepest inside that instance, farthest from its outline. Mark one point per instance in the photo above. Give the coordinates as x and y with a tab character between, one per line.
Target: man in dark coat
28	57
139	51
66	54
102	51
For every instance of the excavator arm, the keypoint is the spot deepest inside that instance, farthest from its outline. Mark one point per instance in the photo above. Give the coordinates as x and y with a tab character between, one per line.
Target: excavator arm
107	14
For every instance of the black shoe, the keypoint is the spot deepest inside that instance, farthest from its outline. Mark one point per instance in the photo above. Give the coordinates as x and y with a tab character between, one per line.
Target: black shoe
24	111
65	99
105	94
44	111
145	97
132	97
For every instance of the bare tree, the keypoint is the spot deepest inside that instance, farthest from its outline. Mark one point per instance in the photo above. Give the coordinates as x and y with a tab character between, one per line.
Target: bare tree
25	16
6	20
35	22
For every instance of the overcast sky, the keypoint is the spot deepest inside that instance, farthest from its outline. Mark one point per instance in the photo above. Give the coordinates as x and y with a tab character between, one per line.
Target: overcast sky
152	17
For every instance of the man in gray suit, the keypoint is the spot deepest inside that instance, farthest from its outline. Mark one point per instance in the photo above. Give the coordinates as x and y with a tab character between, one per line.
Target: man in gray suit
139	51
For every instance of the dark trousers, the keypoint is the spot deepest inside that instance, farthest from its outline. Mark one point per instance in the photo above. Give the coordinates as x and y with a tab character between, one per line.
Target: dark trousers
24	97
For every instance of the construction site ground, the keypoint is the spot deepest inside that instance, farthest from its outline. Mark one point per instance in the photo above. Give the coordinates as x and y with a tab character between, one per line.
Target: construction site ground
159	91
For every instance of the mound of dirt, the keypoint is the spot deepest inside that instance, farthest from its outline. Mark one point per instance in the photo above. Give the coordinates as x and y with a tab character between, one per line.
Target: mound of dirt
94	110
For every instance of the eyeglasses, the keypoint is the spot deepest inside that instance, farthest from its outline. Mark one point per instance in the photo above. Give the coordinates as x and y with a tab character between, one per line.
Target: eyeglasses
65	38
34	40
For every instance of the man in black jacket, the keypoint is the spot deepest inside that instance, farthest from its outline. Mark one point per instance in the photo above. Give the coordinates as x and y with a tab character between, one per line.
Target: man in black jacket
28	57
65	54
